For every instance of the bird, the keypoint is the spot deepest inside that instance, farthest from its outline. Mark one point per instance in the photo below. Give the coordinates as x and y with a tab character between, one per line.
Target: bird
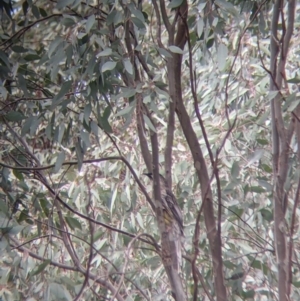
170	222
169	202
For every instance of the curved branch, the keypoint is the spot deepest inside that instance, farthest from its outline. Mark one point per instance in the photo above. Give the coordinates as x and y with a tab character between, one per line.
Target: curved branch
96	278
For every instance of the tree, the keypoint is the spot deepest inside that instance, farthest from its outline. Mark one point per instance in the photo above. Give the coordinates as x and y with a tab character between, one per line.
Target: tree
94	94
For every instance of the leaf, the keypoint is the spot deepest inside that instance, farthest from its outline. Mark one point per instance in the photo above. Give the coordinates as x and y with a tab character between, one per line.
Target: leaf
128	66
295	80
18	49
18	174
59	161
149	123
222	56
35	11
45	205
79	153
112	200
15	230
108	66
175	49
59	292
235	170
66	86
175	3
126	110
3	92
43	12
85	137
73	222
14	116
40	268
87	112
27	125
4	58
22	84
90	22
164	52
140	220
200	26
105	52
266	214
255	156
227	6
263	141
137	13
63	3
94	128
257	189
138	23
31	57
3	207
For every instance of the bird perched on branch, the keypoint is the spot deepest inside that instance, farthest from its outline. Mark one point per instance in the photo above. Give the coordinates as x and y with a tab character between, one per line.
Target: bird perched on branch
170	222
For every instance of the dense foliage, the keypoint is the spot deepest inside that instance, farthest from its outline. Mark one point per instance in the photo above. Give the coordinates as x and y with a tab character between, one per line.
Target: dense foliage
76	217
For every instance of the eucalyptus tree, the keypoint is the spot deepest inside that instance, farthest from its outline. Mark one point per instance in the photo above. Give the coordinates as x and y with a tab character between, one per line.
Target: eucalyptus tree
95	94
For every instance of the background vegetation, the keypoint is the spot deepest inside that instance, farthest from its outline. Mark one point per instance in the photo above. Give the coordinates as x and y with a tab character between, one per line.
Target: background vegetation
95	93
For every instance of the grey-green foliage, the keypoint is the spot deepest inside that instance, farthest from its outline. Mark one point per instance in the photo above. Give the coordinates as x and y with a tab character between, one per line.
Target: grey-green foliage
67	95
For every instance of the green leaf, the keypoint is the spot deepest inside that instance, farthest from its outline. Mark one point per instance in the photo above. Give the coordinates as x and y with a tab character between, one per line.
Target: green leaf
87	112
27	124
18	175
137	13
90	22
18	49
22	84
94	128
140	220
128	66
3	207
63	3
266	214
79	153
200	26
138	23
40	268
14	116
149	123
227	6
175	3
45	205
31	57
35	11
43	12
126	110
59	161
256	156
266	168
257	189
295	80
263	141
15	230
4	58
108	66
222	56
66	86
235	170
103	120
73	222
175	49
113	199
59	292
105	52
164	52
